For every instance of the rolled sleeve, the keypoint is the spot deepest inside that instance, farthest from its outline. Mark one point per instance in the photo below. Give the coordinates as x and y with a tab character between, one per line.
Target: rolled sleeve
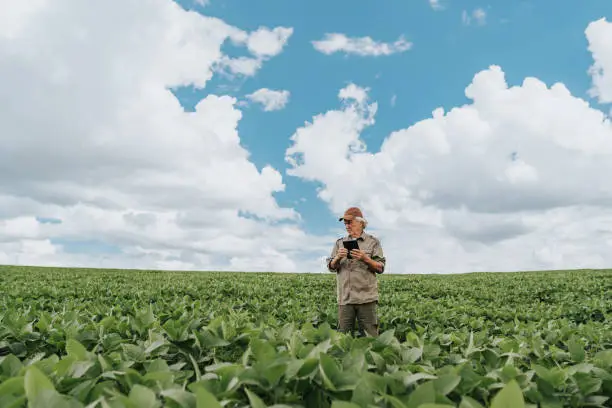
331	257
378	255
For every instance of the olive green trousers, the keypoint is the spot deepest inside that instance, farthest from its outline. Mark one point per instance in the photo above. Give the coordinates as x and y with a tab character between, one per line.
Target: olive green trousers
366	318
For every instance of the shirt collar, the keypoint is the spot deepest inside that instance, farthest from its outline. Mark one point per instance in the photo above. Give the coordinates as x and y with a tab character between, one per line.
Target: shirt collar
359	238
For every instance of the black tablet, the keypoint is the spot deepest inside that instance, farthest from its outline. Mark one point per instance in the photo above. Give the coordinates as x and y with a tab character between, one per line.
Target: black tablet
350	245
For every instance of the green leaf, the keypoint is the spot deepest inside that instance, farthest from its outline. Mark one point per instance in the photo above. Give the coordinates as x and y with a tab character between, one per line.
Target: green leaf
510	396
424	393
80	368
469	402
446	383
262	350
254	399
387	338
11	365
367	389
36	382
143	397
134	352
329	371
14	385
205	399
587	384
576	349
394	401
604	358
556	376
76	349
10	401
413	378
412	354
208	340
52	399
343	404
183	398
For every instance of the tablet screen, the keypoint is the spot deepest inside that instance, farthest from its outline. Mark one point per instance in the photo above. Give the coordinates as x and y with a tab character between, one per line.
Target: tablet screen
350	245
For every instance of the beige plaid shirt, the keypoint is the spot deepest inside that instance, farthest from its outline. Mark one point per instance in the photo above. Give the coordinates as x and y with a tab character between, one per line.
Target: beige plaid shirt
356	282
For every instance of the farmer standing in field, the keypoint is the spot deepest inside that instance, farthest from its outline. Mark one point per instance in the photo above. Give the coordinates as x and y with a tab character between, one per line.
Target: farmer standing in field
356	274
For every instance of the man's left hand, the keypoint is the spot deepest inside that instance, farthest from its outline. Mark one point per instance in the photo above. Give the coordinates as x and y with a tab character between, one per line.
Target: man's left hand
359	255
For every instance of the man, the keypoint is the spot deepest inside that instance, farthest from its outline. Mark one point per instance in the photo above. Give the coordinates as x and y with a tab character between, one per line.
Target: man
356	276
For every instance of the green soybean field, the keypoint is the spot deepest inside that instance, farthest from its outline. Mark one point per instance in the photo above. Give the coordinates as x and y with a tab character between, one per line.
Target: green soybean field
144	339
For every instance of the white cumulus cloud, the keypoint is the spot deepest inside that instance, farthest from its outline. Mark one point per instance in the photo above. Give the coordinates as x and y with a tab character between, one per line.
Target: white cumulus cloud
362	46
93	137
516	179
599	35
264	43
270	99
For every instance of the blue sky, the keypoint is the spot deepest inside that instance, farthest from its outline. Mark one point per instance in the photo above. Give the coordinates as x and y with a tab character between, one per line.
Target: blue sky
137	180
544	39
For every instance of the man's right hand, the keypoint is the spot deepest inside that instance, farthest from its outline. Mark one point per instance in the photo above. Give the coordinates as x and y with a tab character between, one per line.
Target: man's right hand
342	253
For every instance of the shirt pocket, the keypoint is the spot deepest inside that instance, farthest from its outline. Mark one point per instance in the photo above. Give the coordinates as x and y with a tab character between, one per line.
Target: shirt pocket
369	250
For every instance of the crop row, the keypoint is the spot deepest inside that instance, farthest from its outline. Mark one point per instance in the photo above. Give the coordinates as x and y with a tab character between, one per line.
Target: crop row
85	338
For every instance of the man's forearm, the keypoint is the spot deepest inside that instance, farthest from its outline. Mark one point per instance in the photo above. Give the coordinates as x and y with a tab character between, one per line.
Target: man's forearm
334	263
374	265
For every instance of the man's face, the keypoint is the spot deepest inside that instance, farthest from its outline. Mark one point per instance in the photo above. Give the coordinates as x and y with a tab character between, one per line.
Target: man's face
353	227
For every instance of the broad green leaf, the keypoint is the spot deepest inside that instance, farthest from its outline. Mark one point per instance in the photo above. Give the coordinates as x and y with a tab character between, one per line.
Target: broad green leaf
10	401
273	373
52	399
597	400
262	350
80	368
205	399
208	340
143	397
422	394
35	382
469	402
376	382
412	354
364	394
254	399
386	338
604	358
587	384
11	365
394	401
411	379
555	376
329	371
183	398
76	349
446	383
134	353
309	366
510	396
14	385
576	349
82	390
